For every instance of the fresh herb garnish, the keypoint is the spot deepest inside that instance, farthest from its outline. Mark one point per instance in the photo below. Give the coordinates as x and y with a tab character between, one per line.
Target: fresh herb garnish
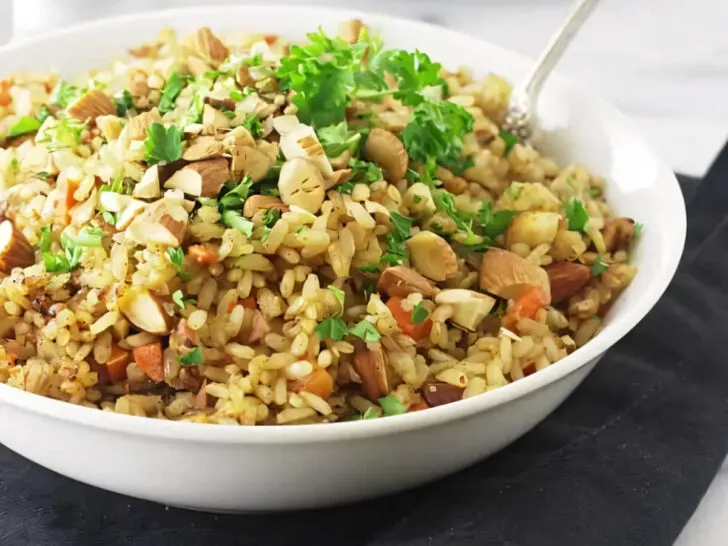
271	216
200	89
332	328
65	133
391	406
510	139
24	125
253	125
42	175
193	358
162	144
370	413
419	314
370	268
73	247
638	227
364	172
413	71
598	267
124	102
365	330
233	194
44	243
396	250
64	94
176	257
233	219
179	299
576	215
340	296
368	289
401	224
494	223
337	139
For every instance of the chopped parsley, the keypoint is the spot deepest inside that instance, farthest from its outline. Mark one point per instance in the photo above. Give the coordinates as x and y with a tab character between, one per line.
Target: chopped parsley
253	125
124	102
370	413
340	296
494	223
234	194
24	125
370	268
510	139
44	244
179	299
598	267
176	257
365	330
73	248
337	139
42	175
368	289
638	227
576	215
413	71
65	133
332	328
162	144
172	88
401	224
64	94
271	216
233	219
419	314
391	406
364	172
193	358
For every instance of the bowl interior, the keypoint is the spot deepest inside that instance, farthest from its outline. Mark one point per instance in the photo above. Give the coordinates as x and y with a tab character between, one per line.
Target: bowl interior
578	128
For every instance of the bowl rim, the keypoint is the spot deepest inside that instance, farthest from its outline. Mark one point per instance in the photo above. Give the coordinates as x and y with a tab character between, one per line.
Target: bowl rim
620	325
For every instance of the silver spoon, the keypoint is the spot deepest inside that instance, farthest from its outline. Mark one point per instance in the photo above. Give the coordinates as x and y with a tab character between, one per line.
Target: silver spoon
521	115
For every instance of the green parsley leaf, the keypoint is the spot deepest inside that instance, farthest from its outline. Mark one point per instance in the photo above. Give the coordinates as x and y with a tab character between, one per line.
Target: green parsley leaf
340	296
179	299
200	89
73	247
510	139
44	244
638	227
500	309
162	144
337	139
598	267
365	330
87	237
371	268
401	224
233	219
65	133
234	194
391	406
412	176
253	125
332	328
193	358
124	102
43	113
368	289
64	94
419	314
240	95
230	114
576	215
494	223
271	216
364	172
24	125
176	257
255	60
370	413
42	175
413	71
109	217
396	250
14	165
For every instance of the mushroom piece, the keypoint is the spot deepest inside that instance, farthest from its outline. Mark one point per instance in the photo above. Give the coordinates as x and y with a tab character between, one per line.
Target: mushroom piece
145	311
400	281
507	275
386	150
533	228
469	307
201	178
90	105
432	256
254	203
148	186
15	250
369	364
250	161
301	184
204	147
302	142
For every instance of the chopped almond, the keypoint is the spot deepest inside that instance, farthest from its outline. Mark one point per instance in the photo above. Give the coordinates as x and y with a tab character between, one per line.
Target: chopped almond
243	77
176	228
369	364
432	256
92	104
201	178
148	186
254	203
202	254
136	127
144	311
469	307
566	279
213	121
204	147
401	281
349	30
386	150
207	46
438	393
618	234
250	161
15	250
507	275
149	359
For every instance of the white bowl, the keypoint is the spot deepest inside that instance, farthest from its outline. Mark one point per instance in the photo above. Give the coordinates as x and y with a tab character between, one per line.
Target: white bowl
222	468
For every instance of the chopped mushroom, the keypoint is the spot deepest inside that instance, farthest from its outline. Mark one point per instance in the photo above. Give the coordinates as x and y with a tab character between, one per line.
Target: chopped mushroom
566	279
387	151
145	311
437	393
507	275
533	228
201	178
300	183
15	250
432	256
90	105
469	307
254	203
369	364
401	281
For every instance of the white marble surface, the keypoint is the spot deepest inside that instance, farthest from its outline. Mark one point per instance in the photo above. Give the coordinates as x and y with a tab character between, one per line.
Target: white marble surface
663	62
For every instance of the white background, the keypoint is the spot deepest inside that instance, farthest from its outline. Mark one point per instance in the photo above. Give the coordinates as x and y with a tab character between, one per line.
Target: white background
663	62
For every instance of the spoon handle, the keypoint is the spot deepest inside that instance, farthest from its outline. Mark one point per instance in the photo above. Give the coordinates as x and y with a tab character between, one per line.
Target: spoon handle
554	51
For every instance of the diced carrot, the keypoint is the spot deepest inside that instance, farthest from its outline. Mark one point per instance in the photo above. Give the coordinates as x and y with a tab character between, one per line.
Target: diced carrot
67	202
270	39
318	382
149	359
525	307
404	320
116	365
250	303
419	406
202	255
5	98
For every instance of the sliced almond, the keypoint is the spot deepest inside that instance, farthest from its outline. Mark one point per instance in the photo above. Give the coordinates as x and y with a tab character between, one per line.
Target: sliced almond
386	150
369	364
213	121
566	279
432	256
250	161
238	137
618	234
148	186
254	203
337	177
207	46
243	77
136	127
301	184
285	124
90	105
469	307
302	142
533	228
144	311
400	281
437	393
204	147
220	100
15	250
131	211
507	275
201	178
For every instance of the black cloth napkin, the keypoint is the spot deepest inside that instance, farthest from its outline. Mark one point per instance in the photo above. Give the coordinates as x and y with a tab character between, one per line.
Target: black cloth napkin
624	461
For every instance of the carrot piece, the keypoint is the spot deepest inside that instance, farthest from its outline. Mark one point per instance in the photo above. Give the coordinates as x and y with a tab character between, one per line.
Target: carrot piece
250	303
150	361
5	98
404	320
64	206
318	382
419	406
116	365
202	255
525	307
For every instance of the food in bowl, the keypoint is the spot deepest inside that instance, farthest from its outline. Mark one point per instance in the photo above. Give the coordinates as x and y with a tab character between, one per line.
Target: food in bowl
236	230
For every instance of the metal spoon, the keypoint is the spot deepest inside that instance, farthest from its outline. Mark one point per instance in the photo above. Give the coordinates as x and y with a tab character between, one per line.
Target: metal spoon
521	114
